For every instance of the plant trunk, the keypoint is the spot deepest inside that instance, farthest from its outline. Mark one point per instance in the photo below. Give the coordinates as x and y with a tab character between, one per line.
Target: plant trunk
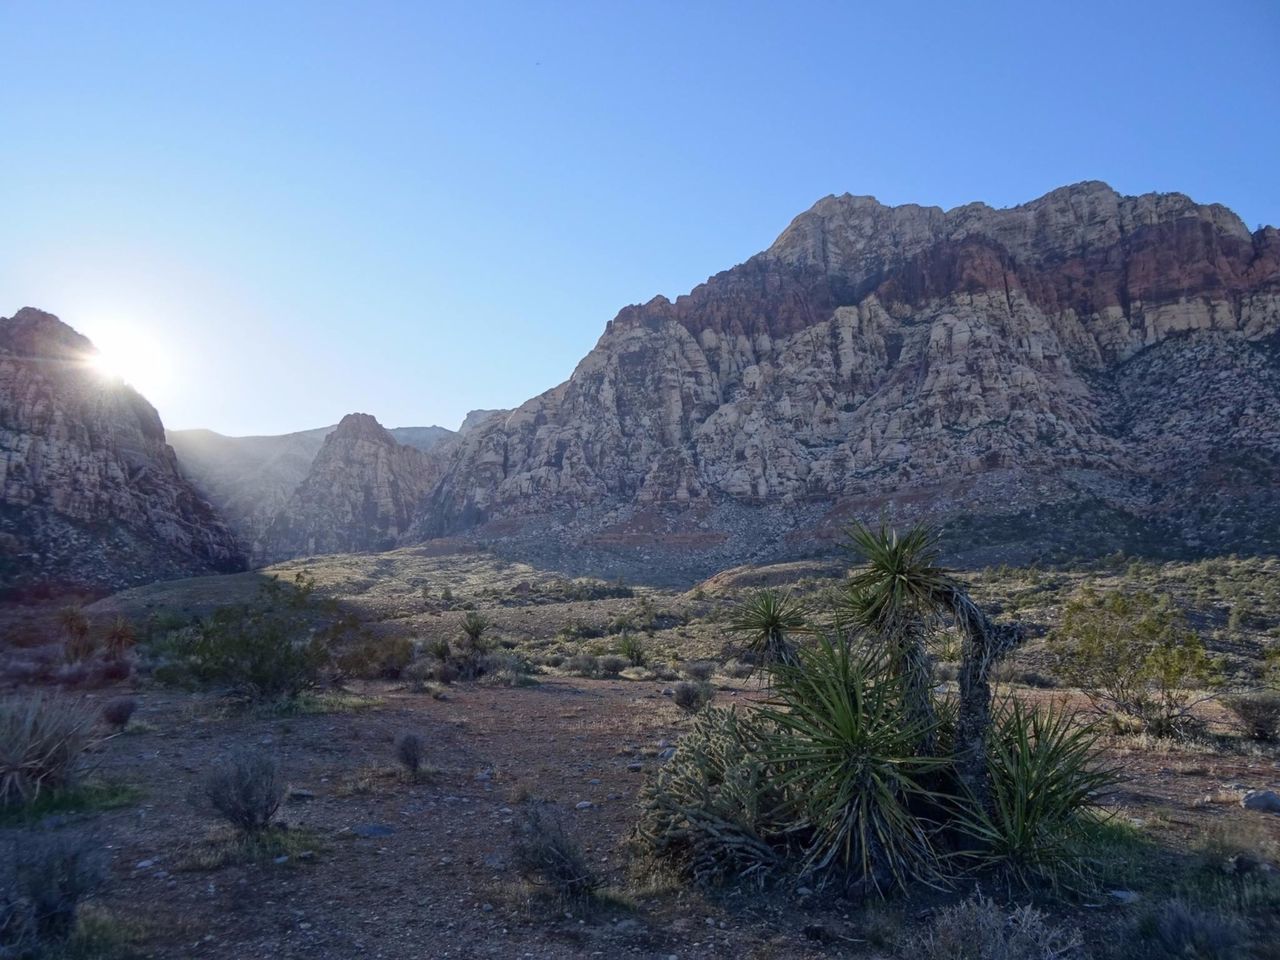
985	643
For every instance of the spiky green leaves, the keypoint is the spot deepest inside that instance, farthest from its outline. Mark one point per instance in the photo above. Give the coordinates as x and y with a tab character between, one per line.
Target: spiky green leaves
765	620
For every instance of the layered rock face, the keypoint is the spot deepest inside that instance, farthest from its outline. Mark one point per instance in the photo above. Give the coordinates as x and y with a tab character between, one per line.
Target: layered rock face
360	494
1083	355
91	496
251	479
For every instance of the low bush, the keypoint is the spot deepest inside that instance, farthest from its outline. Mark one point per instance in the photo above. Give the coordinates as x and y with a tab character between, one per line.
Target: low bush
1179	929
410	751
691	696
583	665
612	664
42	738
545	855
505	669
118	711
1258	714
700	670
978	929
377	658
262	653
245	789
47	879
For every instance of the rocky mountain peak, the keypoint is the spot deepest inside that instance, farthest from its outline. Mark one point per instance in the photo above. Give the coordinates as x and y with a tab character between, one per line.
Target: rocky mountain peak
91	496
361	426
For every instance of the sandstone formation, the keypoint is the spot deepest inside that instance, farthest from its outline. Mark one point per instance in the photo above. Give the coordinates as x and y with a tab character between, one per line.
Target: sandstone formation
91	496
360	494
250	479
1085	372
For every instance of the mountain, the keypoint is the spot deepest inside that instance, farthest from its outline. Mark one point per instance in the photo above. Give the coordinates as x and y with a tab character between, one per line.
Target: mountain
1083	373
360	494
91	496
250	479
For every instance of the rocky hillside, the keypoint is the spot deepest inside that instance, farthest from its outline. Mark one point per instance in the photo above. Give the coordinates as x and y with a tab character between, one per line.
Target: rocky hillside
250	479
1083	373
361	493
91	496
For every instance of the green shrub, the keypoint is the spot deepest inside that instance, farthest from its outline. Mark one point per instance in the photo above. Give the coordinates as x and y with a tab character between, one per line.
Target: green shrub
245	789
261	653
1258	713
377	658
699	670
765	622
583	665
1131	653
631	647
713	810
42	739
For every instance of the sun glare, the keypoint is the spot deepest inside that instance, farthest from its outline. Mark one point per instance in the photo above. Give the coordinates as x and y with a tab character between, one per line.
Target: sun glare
131	356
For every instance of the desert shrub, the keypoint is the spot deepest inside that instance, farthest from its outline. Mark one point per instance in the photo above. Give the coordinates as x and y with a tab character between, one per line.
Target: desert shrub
468	657
613	664
978	929
1046	775
849	750
506	669
1179	929
409	751
374	658
1258	713
245	789
78	643
42	738
632	647
1132	654
700	670
583	665
47	878
439	649
545	855
691	696
713	810
118	711
259	652
120	638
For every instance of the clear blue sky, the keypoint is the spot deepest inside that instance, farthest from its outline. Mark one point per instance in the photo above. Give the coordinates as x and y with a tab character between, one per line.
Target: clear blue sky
289	211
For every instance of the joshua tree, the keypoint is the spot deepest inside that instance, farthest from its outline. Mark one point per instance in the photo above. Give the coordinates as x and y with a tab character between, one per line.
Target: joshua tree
765	620
897	595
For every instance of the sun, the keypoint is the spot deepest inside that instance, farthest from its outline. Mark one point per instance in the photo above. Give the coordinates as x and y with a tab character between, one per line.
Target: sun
129	355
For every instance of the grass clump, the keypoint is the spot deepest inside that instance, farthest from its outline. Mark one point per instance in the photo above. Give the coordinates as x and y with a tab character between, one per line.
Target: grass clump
42	740
1178	929
118	711
410	752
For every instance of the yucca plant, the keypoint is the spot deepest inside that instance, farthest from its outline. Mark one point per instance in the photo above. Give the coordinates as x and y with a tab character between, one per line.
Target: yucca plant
898	592
847	753
79	644
41	740
1046	776
120	638
764	622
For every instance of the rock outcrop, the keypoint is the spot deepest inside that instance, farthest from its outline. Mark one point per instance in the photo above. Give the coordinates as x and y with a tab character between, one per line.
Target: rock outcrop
250	479
91	497
1087	371
361	494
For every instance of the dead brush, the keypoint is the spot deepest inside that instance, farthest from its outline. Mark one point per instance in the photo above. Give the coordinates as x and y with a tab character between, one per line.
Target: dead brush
547	857
410	752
